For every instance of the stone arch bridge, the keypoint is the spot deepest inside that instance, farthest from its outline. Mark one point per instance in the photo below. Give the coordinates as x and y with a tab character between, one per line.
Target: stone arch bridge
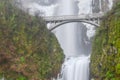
57	21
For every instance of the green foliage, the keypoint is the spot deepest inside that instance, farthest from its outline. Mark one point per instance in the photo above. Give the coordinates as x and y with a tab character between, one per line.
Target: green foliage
117	67
1	76
109	75
21	78
105	58
28	51
22	59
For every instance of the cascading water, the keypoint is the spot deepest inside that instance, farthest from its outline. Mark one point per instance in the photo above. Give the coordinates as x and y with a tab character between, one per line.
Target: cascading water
74	38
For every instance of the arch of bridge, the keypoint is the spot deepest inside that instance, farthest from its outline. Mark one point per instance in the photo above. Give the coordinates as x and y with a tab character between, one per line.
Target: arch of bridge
70	21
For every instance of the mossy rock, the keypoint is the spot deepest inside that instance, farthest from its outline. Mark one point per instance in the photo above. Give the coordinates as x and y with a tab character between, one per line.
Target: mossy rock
28	50
105	56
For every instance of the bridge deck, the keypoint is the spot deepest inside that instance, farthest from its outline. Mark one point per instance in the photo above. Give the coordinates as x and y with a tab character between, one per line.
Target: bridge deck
72	17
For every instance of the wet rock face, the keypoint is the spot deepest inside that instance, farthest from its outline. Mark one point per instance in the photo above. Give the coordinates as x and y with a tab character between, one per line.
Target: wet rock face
105	6
116	1
100	6
95	6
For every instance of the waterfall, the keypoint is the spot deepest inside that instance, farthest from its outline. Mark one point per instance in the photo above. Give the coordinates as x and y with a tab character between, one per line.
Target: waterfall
74	42
75	68
66	34
74	38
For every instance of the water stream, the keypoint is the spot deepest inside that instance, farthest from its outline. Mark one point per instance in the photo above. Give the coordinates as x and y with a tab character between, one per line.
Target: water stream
74	38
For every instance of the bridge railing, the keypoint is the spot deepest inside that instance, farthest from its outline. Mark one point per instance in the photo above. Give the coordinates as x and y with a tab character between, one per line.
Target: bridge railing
72	17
